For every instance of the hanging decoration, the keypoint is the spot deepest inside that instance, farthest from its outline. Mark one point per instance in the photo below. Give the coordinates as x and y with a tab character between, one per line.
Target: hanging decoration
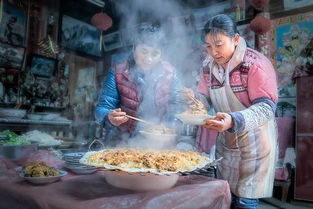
101	21
260	25
48	47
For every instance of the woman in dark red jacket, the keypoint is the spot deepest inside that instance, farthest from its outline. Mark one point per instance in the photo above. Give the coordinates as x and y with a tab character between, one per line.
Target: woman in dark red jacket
143	87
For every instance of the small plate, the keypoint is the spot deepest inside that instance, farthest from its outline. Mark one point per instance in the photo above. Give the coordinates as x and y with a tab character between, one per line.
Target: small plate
81	169
193	119
44	180
74	155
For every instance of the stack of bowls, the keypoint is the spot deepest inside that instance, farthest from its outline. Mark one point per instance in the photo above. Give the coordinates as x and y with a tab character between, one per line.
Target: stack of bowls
72	163
210	172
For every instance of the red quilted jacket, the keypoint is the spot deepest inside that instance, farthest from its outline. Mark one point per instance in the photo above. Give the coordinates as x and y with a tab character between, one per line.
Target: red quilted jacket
129	93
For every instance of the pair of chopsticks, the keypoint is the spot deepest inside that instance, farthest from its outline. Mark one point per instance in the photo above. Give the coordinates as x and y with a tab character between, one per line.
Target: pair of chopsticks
196	101
140	120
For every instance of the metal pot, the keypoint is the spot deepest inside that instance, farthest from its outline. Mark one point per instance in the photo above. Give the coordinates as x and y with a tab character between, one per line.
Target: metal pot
189	130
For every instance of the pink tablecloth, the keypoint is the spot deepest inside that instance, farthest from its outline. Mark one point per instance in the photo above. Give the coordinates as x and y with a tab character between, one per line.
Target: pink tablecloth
92	192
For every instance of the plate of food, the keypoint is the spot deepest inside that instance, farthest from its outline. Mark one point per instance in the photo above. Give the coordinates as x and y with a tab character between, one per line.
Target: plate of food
132	160
144	169
195	114
40	173
193	119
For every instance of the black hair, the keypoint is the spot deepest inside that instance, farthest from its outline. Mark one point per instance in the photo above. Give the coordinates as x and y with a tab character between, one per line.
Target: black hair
150	34
220	24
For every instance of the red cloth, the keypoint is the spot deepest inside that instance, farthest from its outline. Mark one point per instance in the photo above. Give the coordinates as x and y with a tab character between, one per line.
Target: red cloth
92	191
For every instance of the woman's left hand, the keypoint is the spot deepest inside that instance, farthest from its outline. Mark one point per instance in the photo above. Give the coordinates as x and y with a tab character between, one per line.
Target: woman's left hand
221	122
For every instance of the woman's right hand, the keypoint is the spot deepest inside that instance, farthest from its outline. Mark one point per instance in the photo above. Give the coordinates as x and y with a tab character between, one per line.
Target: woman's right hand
117	117
221	122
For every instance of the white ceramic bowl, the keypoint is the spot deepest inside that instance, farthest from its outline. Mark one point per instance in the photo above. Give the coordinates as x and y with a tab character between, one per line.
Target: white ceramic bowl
34	116
37	116
50	116
44	180
159	140
12	113
81	169
140	181
193	119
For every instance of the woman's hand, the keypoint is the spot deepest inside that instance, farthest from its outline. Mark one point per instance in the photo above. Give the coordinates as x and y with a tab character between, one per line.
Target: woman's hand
117	117
221	122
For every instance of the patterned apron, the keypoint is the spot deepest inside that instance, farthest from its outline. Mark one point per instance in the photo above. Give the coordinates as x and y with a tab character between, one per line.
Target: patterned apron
249	157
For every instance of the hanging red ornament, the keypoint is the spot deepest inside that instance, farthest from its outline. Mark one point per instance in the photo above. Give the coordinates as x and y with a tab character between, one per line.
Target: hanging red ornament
260	25
259	4
101	21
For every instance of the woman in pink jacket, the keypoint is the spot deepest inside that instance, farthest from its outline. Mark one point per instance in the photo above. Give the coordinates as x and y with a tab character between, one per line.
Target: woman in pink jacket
240	83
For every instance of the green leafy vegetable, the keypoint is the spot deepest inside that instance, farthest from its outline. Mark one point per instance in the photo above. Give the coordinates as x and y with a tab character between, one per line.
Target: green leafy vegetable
12	138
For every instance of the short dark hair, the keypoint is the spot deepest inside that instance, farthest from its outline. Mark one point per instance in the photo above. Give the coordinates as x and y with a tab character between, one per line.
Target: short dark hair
150	34
220	24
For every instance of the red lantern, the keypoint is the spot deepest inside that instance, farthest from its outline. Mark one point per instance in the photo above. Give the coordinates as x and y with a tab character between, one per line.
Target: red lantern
101	21
260	25
259	4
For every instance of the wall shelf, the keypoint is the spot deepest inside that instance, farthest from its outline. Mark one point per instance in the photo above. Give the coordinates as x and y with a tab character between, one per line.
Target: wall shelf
60	127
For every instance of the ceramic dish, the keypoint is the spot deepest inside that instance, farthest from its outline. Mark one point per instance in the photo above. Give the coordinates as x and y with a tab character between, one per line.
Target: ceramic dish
34	116
43	180
159	140
140	181
73	155
50	116
12	113
158	136
193	119
80	169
